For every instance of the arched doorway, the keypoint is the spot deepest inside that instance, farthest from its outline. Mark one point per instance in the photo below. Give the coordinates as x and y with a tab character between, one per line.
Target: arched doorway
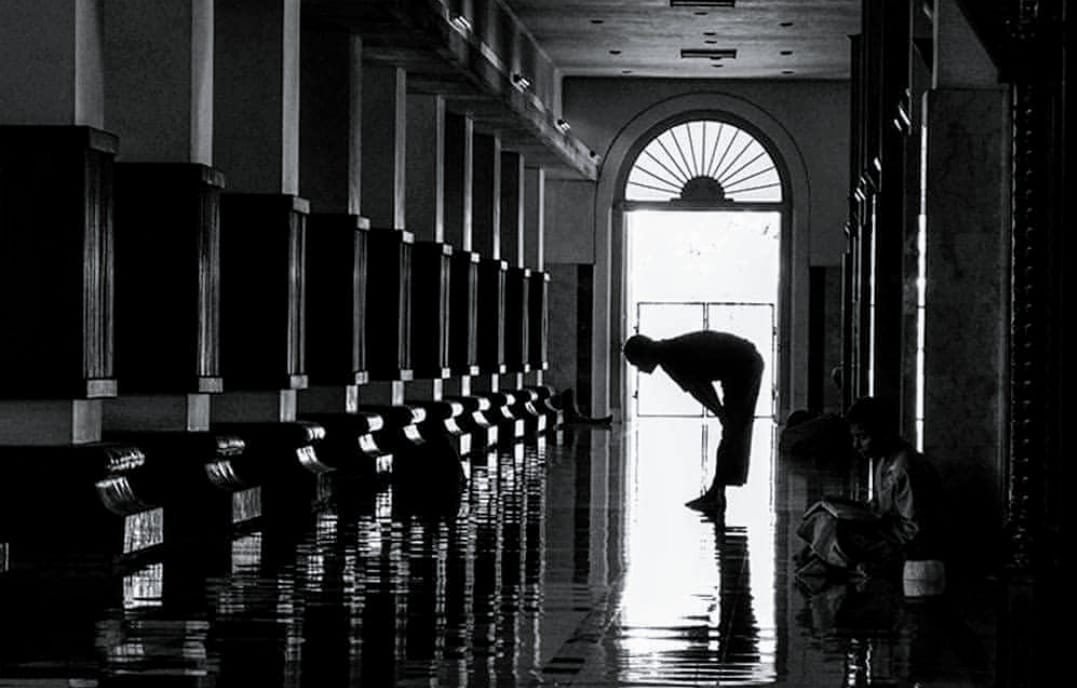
702	215
610	317
702	221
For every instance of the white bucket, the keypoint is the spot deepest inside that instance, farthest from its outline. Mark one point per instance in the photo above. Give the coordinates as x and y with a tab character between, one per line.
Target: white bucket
924	578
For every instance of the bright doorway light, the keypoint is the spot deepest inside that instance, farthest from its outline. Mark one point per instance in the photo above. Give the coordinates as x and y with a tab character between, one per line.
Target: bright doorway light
691	270
694	270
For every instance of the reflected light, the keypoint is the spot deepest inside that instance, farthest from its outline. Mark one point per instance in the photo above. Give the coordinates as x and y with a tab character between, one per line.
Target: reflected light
144	588
682	568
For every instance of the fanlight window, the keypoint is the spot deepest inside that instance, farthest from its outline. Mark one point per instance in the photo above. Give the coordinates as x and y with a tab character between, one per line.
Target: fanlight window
705	161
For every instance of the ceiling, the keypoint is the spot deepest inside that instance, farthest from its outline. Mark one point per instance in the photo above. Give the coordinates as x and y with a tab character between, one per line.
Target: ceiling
773	39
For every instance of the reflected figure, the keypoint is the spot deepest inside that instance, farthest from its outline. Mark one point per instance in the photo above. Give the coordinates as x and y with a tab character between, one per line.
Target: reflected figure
890	639
737	626
695	361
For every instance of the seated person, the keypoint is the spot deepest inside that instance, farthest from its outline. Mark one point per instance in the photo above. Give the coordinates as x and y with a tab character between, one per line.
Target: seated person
902	520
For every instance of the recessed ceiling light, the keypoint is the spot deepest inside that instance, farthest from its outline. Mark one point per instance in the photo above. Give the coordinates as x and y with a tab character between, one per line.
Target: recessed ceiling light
615	52
787	52
702	3
710	53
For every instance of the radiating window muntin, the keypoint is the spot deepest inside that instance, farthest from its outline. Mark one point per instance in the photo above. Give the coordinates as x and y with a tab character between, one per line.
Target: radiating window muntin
704	160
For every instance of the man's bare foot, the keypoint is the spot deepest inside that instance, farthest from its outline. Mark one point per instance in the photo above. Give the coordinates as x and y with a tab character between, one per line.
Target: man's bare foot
708	503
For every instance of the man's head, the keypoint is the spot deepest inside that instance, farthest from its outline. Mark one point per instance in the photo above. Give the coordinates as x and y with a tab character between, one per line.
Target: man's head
640	352
872	425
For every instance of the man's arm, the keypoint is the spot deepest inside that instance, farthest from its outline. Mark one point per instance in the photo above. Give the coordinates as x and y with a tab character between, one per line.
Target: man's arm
702	391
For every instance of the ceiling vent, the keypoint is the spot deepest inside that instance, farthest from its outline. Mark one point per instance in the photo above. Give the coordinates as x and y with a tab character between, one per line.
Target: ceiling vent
702	3
709	53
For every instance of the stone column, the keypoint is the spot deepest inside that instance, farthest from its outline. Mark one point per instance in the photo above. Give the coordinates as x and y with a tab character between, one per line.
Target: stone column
387	318
486	241
517	275
337	237
384	146
967	268
263	220
425	214
534	258
534	250
459	136
159	100
55	223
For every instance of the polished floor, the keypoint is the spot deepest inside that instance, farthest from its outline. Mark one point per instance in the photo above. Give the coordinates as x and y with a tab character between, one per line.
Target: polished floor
568	562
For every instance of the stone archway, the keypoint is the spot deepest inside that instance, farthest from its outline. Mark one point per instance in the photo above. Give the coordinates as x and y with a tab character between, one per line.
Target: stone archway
609	323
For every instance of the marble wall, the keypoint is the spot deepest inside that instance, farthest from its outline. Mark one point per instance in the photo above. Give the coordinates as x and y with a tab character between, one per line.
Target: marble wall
967	309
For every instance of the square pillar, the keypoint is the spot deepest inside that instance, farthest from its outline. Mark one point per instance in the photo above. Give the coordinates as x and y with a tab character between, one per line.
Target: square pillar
384	159
534	258
263	220
430	311
51	63
167	199
56	246
384	151
425	193
337	235
512	251
459	188
56	254
965	396
256	94
463	300
486	241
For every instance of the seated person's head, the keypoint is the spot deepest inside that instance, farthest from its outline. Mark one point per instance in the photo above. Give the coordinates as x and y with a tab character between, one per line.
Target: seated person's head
640	352
872	425
797	417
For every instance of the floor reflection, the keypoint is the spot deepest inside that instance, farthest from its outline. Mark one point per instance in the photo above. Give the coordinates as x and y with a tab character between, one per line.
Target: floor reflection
568	562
